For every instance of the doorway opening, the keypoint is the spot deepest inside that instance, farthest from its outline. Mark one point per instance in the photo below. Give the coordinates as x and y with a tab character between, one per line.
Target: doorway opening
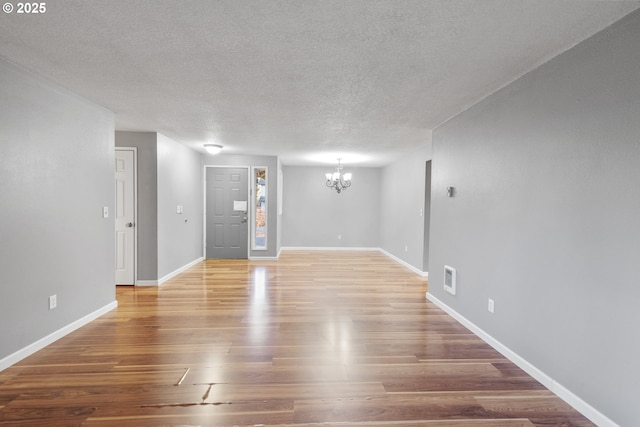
427	216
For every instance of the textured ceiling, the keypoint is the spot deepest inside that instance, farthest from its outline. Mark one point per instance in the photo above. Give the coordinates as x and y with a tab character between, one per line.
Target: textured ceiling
295	78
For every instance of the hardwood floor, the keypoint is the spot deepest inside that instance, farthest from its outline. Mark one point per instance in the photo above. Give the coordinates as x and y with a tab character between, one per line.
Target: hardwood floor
316	338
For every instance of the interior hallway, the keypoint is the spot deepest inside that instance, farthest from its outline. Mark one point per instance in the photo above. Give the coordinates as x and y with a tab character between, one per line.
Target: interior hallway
340	338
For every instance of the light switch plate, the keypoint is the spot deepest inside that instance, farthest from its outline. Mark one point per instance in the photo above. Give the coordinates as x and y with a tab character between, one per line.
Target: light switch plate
105	212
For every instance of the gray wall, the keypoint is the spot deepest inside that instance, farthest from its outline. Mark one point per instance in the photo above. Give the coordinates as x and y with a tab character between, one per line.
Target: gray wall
271	162
180	182
169	174
545	219
402	215
56	174
147	224
314	215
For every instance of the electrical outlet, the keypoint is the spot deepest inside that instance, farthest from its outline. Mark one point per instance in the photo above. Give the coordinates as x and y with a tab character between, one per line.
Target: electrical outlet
105	212
491	306
339	236
406	248
53	302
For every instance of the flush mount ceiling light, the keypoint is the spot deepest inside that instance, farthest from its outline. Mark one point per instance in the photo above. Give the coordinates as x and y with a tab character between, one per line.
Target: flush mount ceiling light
213	148
337	180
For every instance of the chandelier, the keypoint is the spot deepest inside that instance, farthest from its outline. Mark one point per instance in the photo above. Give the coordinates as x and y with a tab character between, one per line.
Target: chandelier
337	180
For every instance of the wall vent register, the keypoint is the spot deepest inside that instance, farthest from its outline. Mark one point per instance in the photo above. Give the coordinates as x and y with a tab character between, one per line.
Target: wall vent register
450	279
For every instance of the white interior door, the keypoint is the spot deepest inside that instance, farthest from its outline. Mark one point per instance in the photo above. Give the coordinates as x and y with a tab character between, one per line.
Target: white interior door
125	213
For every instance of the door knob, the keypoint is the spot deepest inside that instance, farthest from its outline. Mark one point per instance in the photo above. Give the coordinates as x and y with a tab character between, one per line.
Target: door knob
129	225
244	219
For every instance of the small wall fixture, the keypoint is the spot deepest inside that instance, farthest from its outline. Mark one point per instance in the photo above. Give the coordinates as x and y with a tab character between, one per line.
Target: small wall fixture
337	180
450	279
450	191
213	148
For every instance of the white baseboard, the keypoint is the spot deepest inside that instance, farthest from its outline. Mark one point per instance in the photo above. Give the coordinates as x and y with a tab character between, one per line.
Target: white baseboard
327	248
406	264
170	275
263	258
562	392
54	336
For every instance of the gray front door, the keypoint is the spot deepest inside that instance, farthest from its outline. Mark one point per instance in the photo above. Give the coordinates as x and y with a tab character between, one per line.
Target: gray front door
227	209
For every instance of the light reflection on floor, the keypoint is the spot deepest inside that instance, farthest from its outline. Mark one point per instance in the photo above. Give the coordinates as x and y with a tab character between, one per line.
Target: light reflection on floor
259	316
